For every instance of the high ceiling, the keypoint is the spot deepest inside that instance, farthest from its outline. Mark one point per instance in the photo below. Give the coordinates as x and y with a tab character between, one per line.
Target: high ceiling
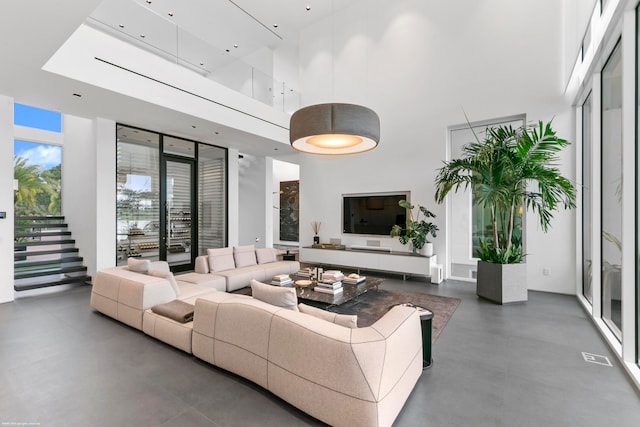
38	28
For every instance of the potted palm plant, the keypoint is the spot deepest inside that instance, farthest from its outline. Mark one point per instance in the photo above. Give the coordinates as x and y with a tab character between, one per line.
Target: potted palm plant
512	169
416	229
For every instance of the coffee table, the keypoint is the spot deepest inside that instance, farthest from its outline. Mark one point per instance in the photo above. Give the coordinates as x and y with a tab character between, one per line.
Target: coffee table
349	292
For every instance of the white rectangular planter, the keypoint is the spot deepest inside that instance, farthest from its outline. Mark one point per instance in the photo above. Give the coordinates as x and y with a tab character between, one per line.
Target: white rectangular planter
502	283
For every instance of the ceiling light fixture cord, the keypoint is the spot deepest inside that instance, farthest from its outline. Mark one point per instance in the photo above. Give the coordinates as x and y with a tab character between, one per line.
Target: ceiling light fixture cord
333	60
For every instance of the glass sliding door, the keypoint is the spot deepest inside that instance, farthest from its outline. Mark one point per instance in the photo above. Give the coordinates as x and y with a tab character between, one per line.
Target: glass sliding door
179	190
587	256
137	194
611	187
171	198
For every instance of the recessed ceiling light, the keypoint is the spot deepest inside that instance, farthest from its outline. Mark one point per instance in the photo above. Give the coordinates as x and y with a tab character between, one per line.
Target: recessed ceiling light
308	8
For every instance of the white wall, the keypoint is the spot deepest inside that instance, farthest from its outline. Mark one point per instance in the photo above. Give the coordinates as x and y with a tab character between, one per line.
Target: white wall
79	195
105	137
419	64
88	188
6	199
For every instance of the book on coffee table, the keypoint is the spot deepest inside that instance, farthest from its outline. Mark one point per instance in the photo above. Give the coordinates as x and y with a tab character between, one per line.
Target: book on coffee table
325	290
353	280
281	280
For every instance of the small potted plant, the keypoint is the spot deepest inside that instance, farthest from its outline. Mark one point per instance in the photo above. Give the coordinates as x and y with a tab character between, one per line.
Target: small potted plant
416	229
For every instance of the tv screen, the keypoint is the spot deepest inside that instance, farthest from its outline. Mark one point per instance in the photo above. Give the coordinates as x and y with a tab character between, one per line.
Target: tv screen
372	214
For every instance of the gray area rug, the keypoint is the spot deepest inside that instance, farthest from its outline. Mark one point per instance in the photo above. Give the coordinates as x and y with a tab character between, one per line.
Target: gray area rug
372	305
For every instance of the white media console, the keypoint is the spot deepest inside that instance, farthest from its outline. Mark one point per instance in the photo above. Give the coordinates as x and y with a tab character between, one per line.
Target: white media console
371	258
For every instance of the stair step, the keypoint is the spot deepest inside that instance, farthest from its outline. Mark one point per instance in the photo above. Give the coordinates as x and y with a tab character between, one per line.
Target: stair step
45	242
39	225
43	234
22	254
40	218
48	272
66	281
52	262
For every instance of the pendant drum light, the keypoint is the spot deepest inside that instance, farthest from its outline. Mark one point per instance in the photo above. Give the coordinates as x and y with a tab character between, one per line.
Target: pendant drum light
334	129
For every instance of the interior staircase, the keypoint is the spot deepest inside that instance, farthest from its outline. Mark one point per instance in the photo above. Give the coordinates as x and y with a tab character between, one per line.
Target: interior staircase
45	254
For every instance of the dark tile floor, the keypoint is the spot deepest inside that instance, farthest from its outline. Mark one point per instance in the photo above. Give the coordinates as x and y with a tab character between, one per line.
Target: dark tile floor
521	365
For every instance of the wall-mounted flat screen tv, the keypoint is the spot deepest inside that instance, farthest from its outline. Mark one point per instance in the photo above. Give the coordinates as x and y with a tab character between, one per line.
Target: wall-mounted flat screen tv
373	213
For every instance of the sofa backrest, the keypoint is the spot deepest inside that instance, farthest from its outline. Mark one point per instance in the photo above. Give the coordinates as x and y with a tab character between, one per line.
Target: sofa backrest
124	294
248	333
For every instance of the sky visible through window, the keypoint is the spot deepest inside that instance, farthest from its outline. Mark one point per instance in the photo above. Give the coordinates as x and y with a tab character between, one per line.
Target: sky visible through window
44	155
39	118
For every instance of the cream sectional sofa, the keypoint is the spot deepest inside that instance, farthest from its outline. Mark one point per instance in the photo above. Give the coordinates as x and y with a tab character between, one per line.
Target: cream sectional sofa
241	264
340	375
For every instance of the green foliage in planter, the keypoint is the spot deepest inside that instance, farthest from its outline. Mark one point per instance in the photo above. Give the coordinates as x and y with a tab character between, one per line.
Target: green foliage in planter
416	230
503	255
509	169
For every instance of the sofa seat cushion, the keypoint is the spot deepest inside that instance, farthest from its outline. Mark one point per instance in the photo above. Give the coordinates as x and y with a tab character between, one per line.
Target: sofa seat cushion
209	280
240	277
190	290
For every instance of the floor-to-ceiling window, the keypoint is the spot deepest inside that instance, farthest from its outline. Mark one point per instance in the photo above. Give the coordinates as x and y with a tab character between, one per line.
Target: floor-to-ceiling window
469	223
37	165
611	188
171	197
587	255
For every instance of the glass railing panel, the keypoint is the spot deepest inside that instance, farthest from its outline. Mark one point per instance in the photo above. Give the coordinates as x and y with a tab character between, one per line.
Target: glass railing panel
163	37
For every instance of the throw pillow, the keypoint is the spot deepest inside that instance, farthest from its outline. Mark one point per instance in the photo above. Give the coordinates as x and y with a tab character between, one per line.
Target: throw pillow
166	275
266	255
244	256
221	259
346	320
275	295
138	265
